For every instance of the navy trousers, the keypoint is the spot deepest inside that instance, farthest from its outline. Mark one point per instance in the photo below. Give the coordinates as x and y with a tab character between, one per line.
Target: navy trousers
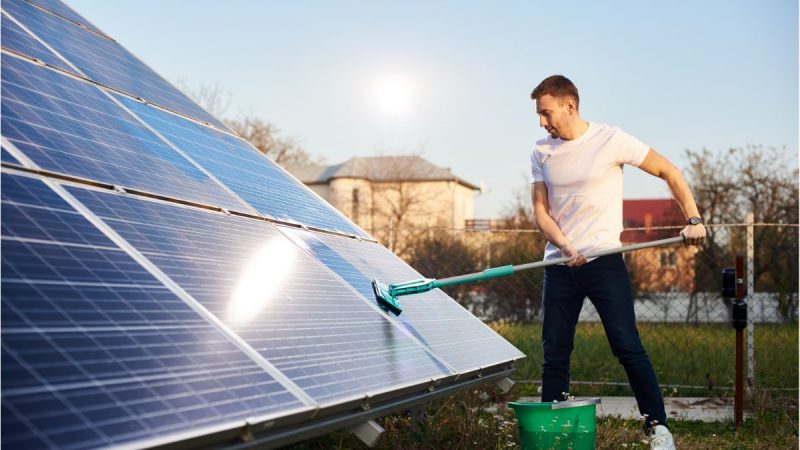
606	283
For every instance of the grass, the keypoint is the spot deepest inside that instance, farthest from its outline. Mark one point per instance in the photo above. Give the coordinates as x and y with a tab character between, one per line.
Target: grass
478	419
688	355
701	355
772	425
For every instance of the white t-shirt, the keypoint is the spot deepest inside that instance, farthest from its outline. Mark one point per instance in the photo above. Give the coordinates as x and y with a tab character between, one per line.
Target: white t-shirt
584	184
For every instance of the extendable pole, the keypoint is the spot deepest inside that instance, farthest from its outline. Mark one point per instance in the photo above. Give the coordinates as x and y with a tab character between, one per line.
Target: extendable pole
387	295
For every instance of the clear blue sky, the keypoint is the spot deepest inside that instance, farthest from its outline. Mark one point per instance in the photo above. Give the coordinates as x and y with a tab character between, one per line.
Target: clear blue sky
677	74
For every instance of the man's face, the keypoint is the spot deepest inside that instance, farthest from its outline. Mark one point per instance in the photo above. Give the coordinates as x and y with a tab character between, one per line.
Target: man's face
553	114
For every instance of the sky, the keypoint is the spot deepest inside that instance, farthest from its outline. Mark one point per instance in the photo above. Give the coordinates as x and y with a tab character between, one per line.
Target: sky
451	80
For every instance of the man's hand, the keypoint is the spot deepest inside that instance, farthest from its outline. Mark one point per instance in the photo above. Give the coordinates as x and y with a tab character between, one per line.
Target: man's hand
694	234
577	258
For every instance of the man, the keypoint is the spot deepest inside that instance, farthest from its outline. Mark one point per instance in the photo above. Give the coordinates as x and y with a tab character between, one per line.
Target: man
577	204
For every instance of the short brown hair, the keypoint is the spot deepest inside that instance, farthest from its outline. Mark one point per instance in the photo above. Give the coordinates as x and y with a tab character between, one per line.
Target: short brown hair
558	86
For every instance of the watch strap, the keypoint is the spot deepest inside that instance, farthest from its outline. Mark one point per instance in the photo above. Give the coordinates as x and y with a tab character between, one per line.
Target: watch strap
694	220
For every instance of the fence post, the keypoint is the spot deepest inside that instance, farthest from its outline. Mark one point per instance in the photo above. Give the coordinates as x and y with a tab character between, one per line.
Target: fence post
751	344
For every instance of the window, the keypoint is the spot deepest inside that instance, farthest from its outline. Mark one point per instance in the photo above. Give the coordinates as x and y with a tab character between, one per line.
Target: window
669	258
354	205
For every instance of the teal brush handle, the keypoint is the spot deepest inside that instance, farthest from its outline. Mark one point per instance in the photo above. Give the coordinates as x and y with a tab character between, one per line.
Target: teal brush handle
427	284
478	276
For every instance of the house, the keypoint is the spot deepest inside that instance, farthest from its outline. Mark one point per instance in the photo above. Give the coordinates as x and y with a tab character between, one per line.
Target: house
661	269
392	192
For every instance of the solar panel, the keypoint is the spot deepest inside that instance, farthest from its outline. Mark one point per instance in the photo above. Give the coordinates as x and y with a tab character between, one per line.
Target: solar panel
68	126
314	328
103	60
95	351
18	40
448	330
252	176
142	317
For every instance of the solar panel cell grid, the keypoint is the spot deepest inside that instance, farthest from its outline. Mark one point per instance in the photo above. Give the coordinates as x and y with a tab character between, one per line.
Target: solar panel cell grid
253	177
450	331
285	305
64	11
18	40
103	60
7	158
95	351
69	126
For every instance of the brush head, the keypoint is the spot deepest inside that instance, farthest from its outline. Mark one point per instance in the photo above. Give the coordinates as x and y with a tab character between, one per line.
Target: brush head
386	300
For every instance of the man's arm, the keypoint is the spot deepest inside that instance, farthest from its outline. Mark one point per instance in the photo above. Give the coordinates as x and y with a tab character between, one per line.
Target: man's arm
658	166
549	227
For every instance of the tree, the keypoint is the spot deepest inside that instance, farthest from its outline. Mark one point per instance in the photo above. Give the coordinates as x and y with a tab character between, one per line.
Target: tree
262	135
438	255
518	214
729	184
401	199
214	99
516	298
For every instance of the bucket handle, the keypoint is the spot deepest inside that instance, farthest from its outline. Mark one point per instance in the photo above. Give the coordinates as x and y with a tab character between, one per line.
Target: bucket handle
576	403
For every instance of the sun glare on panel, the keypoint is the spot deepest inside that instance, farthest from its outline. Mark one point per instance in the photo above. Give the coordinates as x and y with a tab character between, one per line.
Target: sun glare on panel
393	94
260	280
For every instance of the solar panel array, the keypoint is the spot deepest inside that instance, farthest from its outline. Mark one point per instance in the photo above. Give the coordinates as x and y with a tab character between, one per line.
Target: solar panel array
163	281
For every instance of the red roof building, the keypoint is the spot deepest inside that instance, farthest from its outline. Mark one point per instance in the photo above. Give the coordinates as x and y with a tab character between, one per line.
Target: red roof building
662	269
649	214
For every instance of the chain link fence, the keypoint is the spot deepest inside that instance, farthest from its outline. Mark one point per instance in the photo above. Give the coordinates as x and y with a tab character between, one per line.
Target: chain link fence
684	322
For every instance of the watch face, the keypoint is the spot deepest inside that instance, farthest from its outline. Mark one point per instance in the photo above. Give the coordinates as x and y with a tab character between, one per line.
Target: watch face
695	221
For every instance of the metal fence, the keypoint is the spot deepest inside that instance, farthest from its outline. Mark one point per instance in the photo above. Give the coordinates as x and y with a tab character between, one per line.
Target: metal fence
683	320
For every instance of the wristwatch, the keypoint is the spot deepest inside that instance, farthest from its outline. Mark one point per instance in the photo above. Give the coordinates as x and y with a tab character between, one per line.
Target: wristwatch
694	220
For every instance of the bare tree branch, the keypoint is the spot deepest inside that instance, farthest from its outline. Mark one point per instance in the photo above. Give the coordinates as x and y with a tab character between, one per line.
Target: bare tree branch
214	99
263	135
730	184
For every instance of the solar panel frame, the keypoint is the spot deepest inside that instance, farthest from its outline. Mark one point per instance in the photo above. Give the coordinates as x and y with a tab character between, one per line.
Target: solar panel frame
282	436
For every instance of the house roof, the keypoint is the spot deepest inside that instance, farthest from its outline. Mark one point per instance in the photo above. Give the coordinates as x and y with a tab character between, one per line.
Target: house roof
646	213
380	169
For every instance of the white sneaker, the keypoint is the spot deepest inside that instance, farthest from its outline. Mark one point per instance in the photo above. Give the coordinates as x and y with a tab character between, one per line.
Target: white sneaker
661	439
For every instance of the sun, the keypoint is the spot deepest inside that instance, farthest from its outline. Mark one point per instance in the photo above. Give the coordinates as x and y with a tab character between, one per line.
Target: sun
393	94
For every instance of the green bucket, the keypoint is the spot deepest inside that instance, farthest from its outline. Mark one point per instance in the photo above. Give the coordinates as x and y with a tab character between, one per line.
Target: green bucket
557	425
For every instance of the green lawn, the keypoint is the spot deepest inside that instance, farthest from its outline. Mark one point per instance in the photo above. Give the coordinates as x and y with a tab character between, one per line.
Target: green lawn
696	355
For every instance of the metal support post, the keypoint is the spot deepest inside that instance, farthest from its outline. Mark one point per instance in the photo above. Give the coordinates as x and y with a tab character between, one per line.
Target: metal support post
739	322
733	288
368	432
505	384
